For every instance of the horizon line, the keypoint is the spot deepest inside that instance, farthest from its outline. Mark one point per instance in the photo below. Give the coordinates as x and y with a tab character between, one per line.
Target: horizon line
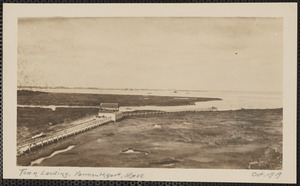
156	89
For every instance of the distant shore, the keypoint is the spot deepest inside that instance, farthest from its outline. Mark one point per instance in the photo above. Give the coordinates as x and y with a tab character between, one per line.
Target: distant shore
49	89
26	97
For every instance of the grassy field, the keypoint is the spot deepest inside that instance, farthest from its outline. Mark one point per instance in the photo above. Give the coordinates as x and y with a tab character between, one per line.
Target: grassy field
239	139
43	98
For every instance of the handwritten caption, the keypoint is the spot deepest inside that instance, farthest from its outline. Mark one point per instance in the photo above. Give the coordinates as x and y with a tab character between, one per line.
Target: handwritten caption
262	174
25	172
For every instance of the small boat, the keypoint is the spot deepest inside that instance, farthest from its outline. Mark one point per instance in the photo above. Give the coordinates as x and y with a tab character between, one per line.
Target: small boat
38	135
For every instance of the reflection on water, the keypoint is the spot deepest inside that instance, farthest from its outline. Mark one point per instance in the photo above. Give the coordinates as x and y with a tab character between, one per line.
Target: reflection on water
231	100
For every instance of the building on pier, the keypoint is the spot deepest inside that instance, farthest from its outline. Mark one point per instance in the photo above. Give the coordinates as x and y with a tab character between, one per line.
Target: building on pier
110	110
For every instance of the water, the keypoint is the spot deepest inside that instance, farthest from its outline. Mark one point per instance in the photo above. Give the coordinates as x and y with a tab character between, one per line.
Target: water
40	160
129	151
231	100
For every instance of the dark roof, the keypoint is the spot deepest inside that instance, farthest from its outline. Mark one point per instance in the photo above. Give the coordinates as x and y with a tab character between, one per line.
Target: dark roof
110	111
109	105
106	111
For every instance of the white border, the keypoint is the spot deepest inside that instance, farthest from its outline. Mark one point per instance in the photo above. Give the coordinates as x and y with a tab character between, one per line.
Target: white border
286	10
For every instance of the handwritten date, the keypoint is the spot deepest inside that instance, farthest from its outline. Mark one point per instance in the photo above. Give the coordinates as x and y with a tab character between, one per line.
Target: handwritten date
270	175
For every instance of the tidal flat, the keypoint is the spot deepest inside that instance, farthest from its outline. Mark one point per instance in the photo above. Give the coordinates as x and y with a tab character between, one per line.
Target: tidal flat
240	139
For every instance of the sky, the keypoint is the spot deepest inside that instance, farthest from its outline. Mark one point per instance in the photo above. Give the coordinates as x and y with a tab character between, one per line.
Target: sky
240	54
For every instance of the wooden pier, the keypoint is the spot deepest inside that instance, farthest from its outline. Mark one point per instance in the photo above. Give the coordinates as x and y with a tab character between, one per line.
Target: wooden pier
30	144
144	113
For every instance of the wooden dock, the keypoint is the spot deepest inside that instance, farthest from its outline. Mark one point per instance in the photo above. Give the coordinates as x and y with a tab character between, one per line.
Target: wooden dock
144	113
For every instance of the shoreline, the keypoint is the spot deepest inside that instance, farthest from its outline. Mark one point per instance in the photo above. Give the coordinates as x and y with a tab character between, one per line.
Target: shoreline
48	89
25	97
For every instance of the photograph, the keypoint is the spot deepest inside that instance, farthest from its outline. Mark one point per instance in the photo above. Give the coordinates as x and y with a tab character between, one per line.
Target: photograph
150	92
